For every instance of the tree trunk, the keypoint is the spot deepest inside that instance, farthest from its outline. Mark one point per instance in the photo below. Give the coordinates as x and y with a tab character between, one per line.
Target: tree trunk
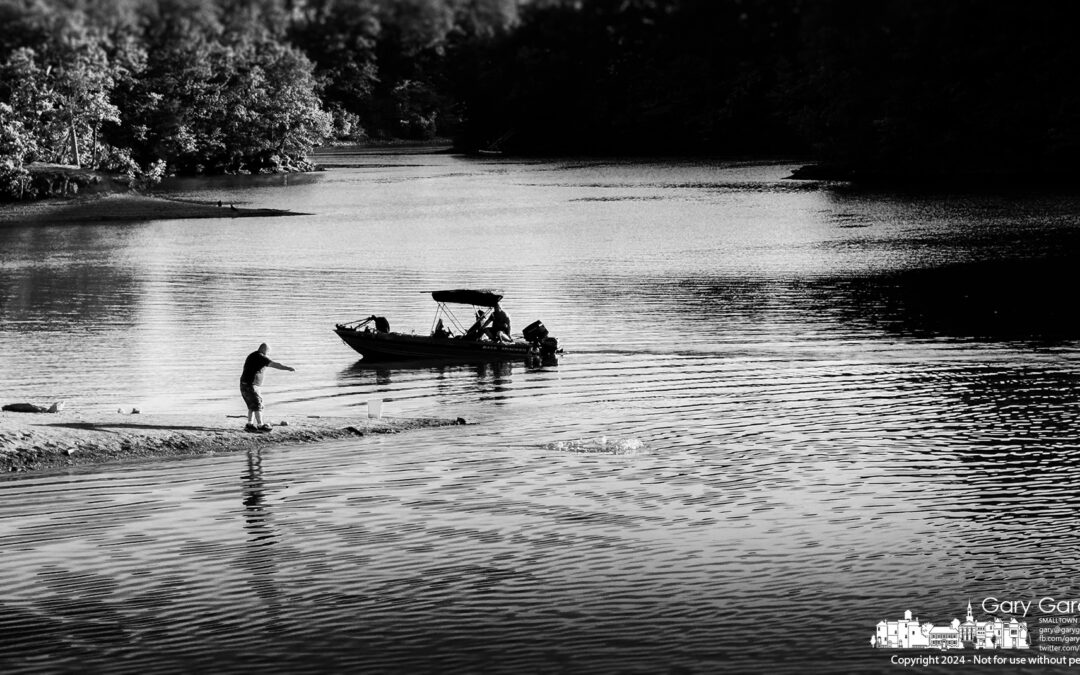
94	153
75	144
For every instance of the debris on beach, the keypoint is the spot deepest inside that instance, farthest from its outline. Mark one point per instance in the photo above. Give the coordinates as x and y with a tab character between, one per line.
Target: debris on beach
31	408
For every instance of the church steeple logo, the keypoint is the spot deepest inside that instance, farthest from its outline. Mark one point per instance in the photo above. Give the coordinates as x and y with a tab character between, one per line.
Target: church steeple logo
910	633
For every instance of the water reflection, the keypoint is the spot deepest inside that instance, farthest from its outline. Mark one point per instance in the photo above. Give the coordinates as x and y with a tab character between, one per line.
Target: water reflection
454	386
1013	447
183	187
387	373
1008	300
256	515
259	557
82	296
1001	300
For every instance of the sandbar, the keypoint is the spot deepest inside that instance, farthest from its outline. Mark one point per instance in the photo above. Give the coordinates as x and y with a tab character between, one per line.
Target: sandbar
123	207
38	441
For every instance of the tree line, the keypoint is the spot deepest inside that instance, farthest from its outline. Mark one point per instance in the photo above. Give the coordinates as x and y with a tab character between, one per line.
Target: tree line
890	87
881	88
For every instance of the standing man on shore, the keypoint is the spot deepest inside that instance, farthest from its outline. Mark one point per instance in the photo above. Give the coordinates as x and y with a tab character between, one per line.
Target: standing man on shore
251	380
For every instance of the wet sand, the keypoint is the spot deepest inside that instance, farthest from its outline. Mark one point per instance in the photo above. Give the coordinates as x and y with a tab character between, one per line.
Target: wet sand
34	441
127	207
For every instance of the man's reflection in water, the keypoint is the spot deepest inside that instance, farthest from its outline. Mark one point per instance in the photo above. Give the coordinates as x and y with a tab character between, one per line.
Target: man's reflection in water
259	556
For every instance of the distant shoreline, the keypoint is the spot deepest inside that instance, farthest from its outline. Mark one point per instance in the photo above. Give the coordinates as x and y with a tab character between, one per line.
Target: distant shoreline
105	197
112	201
37	441
122	207
883	178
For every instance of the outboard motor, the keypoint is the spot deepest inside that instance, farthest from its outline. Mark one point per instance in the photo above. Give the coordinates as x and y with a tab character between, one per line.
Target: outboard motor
537	334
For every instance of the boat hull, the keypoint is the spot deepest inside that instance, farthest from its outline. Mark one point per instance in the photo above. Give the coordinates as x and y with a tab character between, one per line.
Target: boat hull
375	346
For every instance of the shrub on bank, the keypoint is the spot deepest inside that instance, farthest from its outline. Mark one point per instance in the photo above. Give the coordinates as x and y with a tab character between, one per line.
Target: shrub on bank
54	181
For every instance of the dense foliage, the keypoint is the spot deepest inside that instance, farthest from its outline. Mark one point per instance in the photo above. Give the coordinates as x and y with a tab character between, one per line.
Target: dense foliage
882	87
150	87
898	87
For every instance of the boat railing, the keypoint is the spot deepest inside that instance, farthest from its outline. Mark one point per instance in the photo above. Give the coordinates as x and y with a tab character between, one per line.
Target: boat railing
442	311
381	325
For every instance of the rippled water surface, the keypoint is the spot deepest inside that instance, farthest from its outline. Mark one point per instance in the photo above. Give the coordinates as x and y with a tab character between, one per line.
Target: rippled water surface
786	411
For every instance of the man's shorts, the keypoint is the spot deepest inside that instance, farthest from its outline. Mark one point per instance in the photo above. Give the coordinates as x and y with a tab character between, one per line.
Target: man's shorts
251	396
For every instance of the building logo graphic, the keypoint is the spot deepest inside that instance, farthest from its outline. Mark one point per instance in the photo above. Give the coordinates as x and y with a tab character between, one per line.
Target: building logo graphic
908	633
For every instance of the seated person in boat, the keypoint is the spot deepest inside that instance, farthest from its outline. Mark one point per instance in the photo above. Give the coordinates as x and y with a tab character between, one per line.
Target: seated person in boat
500	325
476	331
440	330
381	324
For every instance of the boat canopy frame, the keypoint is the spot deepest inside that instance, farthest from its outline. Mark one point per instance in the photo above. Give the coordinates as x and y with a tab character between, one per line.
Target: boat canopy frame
485	298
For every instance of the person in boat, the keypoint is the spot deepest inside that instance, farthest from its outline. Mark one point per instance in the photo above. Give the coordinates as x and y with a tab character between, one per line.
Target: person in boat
440	330
250	381
381	324
476	331
500	325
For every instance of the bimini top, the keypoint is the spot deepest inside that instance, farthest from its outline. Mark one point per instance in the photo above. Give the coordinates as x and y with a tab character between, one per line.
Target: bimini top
465	296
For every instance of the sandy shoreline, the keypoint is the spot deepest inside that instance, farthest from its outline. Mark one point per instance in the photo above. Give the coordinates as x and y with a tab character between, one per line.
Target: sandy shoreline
127	207
34	441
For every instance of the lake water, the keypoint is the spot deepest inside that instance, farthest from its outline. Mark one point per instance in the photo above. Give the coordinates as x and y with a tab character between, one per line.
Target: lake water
786	411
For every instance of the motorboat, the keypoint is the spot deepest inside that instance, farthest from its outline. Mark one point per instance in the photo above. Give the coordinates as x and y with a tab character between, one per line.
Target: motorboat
450	338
